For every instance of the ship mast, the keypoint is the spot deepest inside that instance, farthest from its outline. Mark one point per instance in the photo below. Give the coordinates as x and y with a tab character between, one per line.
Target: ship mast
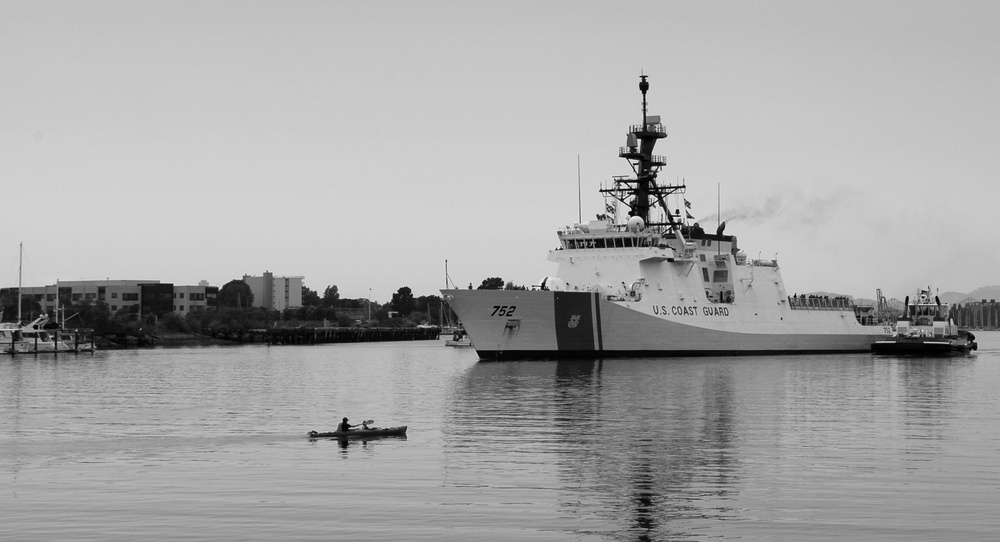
642	193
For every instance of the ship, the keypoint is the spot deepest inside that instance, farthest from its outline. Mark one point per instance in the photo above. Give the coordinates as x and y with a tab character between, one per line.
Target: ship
925	329
644	281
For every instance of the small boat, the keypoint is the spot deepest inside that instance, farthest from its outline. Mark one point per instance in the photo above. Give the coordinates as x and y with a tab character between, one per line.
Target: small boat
362	433
10	339
925	329
43	335
459	338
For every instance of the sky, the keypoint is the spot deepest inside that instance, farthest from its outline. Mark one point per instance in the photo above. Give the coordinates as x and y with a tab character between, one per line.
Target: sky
364	144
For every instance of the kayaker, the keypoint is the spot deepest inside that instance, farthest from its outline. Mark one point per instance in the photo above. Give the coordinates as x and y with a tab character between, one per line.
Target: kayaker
344	427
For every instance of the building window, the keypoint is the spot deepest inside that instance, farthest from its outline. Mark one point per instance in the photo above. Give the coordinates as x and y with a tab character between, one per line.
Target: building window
76	297
114	295
182	308
114	307
130	297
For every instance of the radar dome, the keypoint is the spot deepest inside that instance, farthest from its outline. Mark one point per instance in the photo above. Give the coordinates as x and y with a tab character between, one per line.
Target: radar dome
636	223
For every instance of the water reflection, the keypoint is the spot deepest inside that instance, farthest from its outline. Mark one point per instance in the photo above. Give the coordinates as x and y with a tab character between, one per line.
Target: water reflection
927	394
791	447
356	444
927	388
642	444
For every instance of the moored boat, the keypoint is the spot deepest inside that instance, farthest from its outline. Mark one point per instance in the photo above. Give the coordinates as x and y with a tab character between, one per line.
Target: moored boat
924	329
42	335
40	339
11	341
459	338
362	433
643	280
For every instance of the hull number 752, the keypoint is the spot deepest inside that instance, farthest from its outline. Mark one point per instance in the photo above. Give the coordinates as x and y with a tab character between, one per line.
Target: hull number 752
503	310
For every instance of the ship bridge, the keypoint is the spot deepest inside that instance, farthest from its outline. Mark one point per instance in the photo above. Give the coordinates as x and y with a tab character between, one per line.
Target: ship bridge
601	234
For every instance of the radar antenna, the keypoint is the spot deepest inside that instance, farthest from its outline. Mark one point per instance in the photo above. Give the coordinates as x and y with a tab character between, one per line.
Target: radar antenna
641	192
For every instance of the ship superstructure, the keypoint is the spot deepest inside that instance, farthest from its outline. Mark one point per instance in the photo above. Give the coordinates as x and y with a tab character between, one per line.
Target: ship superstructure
642	280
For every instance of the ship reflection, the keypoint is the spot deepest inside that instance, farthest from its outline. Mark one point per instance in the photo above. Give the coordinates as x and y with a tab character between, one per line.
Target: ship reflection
928	400
643	445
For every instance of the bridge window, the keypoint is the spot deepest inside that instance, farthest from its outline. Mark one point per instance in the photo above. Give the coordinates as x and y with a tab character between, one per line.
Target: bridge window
704	274
720	275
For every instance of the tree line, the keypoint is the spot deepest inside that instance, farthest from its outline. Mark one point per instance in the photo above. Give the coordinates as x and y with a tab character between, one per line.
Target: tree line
236	311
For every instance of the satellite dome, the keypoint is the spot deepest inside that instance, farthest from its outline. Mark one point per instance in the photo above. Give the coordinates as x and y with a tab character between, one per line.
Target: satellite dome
636	224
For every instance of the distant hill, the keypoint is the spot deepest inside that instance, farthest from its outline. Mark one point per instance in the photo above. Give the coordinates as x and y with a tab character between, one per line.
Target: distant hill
979	294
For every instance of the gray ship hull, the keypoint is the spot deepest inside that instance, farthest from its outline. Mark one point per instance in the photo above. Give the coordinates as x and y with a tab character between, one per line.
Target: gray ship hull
518	324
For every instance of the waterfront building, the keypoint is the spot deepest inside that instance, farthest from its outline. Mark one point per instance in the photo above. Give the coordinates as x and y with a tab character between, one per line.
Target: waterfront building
275	293
969	314
195	298
151	296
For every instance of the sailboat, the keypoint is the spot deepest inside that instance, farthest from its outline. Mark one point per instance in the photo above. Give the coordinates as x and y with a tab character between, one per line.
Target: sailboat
41	335
459	337
11	340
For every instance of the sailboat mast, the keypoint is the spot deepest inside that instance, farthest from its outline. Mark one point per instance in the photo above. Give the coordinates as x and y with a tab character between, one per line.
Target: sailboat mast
20	261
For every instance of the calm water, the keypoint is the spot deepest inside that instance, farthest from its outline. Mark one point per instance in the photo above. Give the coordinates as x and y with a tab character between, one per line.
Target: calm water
209	444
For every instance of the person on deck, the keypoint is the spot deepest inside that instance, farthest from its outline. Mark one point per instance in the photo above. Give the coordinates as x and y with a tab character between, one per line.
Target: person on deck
344	427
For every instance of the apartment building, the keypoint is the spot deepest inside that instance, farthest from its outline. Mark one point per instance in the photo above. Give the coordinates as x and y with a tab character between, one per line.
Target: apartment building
149	295
195	298
275	293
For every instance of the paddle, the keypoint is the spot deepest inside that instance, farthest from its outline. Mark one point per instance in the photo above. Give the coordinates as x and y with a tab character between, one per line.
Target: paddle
365	423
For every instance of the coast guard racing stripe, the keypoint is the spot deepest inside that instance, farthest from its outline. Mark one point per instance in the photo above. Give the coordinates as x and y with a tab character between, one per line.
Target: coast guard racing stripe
574	321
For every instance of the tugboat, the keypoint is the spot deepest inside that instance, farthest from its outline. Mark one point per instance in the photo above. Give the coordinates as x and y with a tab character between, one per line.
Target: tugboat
642	280
925	329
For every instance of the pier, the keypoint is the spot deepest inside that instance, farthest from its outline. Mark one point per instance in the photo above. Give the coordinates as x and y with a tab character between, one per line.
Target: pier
56	341
324	335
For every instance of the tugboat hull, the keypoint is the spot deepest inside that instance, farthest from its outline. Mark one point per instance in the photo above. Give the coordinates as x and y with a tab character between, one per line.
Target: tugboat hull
926	346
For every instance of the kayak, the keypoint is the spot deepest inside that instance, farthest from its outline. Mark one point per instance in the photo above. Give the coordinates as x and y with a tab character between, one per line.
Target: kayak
362	433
